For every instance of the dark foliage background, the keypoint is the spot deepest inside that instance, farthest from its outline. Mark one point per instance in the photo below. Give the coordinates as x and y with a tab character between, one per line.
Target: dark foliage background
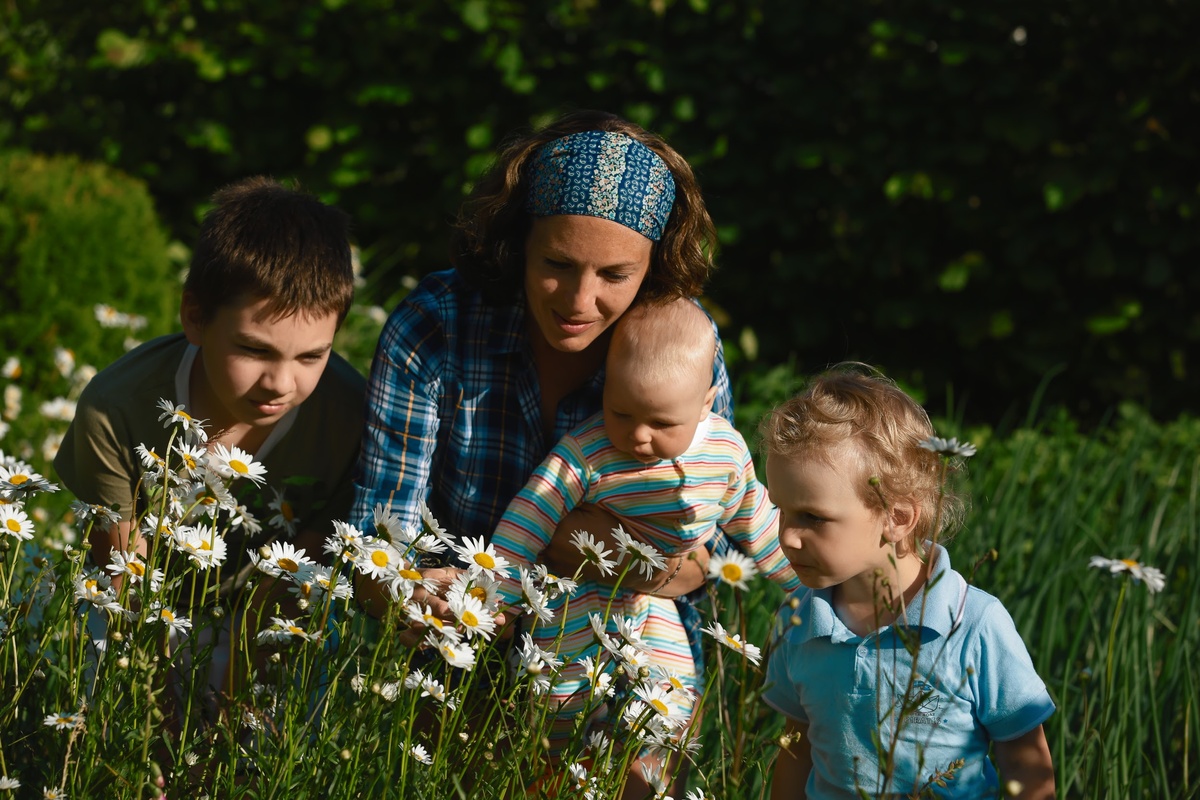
976	196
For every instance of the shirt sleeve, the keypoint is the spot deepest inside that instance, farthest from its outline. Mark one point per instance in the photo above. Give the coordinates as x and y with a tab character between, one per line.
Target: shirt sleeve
1011	698
401	417
96	460
556	488
779	691
751	521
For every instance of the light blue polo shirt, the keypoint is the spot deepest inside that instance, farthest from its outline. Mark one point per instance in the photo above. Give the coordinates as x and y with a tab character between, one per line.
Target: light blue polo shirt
974	682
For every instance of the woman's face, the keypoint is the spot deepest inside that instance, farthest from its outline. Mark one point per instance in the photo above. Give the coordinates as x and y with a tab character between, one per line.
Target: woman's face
581	274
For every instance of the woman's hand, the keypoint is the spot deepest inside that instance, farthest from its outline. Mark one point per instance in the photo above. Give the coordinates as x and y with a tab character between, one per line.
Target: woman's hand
683	574
372	597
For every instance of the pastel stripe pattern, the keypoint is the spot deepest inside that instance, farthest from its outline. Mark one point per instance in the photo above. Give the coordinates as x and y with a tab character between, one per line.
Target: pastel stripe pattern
676	506
606	175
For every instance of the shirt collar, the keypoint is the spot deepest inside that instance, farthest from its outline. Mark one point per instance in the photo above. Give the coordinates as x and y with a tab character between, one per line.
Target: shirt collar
941	600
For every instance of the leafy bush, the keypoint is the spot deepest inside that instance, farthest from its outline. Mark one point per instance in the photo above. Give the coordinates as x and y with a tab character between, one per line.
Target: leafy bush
79	241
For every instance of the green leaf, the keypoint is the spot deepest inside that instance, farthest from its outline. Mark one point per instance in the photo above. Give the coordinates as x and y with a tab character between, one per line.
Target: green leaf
1053	195
475	15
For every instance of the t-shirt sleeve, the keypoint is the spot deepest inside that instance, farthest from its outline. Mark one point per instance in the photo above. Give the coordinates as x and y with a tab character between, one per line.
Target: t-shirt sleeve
752	522
1011	699
96	461
779	690
555	489
401	418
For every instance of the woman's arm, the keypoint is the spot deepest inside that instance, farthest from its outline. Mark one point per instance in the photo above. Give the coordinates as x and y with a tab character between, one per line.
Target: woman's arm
793	764
1026	760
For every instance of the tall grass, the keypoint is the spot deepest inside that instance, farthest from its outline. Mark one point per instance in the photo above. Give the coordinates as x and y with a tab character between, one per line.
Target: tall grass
329	715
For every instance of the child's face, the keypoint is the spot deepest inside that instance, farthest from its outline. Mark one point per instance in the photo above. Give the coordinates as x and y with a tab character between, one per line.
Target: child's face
652	422
827	532
257	367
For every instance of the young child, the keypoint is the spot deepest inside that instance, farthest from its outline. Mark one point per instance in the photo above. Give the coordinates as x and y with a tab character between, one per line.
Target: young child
672	471
270	282
859	500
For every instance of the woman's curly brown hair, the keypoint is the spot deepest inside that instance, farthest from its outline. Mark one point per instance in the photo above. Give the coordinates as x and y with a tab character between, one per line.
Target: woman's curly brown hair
488	246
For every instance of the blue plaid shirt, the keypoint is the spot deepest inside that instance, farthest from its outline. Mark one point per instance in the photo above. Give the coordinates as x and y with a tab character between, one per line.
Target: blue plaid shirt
454	410
454	413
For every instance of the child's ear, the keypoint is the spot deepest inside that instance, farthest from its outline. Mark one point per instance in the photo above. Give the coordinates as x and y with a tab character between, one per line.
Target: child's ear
904	516
709	396
191	317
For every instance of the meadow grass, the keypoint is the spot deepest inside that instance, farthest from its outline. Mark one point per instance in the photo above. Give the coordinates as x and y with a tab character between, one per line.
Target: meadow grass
335	712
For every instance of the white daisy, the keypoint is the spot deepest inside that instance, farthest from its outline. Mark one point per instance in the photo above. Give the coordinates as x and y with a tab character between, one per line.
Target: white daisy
403	580
345	542
948	447
131	565
424	615
481	586
15	522
108	317
594	552
60	409
104	516
12	401
599	679
480	556
645	558
659	700
627	627
234	462
473	617
285	515
320	582
553	585
280	631
734	642
63	721
19	482
432	525
204	546
420	754
242	517
600	633
176	623
11	369
283	557
387	523
8	784
673	683
96	588
192	459
177	415
533	599
458	655
378	559
1153	578
64	361
53	793
733	568
634	658
206	496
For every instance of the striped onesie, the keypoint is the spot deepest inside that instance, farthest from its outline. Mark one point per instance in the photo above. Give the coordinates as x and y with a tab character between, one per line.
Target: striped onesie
674	505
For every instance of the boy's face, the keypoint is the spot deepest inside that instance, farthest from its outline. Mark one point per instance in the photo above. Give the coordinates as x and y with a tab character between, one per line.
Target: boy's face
652	422
256	367
830	536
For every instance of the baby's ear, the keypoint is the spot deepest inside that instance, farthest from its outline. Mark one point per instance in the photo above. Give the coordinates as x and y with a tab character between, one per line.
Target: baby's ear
708	401
904	516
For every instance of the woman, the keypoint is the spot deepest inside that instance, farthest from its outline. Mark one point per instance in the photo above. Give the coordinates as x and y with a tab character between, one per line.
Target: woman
483	368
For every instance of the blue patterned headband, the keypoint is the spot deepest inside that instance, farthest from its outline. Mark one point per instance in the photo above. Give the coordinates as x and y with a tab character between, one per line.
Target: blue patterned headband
606	175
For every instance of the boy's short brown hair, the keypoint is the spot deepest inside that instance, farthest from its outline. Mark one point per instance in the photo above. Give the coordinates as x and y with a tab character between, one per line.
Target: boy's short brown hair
267	240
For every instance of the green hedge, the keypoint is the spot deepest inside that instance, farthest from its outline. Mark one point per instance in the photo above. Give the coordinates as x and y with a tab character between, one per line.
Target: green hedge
74	235
979	194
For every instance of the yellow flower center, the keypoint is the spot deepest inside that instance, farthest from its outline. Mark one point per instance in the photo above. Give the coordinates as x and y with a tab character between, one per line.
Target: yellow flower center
167	615
188	461
410	574
660	707
17	480
208	499
731	572
90	584
294	631
1129	562
205	544
430	619
470	620
380	558
306	589
479	593
732	642
484	560
285	510
183	415
13	525
136	568
65	720
289	565
675	683
239	466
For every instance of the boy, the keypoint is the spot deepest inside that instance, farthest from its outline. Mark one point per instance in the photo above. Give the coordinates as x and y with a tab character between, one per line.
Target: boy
269	285
894	675
668	468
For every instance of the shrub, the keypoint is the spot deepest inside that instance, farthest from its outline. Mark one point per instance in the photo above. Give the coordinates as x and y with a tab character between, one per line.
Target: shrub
74	236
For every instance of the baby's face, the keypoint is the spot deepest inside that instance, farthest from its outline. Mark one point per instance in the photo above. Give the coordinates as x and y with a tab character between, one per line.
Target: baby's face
652	422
